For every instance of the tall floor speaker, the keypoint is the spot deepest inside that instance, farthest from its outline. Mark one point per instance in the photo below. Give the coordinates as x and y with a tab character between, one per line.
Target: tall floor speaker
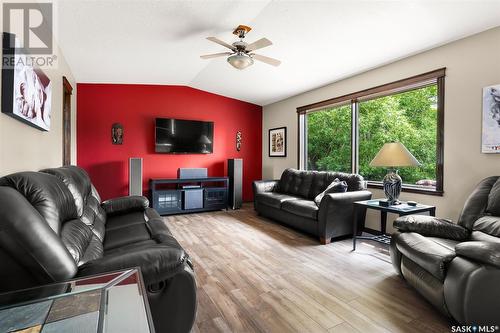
135	176
235	174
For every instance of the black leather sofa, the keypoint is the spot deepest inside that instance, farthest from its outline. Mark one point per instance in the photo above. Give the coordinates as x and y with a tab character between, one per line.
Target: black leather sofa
456	267
290	200
53	227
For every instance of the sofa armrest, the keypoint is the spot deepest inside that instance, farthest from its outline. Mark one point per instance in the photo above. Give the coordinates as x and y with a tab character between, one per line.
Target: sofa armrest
123	205
484	252
336	213
431	226
260	186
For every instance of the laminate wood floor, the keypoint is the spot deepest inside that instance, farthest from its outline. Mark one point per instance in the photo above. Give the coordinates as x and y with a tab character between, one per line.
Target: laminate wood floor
255	275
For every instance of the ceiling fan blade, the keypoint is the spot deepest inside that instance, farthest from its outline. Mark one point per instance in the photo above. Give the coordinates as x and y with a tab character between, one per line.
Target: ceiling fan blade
221	42
259	44
267	60
215	55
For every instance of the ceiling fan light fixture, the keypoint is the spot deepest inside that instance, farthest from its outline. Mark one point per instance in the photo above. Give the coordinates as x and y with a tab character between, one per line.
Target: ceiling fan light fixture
240	60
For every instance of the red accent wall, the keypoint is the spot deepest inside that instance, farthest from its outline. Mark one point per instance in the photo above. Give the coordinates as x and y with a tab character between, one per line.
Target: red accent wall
136	107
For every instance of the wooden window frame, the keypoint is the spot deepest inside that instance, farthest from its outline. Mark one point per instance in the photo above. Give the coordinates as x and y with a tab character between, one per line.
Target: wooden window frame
415	82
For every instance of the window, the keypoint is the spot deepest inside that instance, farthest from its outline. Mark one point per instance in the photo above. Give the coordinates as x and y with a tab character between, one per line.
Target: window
345	133
328	138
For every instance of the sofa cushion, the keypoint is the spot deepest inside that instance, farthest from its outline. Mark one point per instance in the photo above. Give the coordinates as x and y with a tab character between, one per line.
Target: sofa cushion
129	234
493	206
76	236
488	224
77	181
481	236
476	204
336	186
301	207
94	251
273	199
158	261
431	254
47	194
125	220
296	182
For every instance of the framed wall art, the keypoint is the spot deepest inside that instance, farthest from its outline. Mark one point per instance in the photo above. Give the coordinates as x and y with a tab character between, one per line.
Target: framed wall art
26	89
277	142
491	120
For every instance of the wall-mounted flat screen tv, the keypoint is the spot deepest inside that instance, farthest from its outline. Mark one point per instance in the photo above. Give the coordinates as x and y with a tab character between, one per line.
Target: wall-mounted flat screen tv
179	136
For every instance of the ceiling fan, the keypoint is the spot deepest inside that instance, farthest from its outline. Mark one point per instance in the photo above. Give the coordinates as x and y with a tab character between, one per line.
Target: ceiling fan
241	55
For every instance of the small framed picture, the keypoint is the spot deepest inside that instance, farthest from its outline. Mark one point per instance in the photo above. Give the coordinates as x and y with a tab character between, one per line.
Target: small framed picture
277	142
491	120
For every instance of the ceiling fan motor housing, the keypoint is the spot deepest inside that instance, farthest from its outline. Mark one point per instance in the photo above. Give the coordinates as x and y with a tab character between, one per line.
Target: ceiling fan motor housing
240	46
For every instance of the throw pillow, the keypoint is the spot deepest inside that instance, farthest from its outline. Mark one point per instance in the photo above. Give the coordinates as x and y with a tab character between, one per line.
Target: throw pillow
337	186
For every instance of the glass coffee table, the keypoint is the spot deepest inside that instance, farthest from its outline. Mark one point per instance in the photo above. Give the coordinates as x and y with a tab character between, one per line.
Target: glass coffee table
402	209
110	302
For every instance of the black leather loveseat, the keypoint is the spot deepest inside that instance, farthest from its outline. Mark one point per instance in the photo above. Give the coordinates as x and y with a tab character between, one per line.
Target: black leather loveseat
53	227
290	200
456	267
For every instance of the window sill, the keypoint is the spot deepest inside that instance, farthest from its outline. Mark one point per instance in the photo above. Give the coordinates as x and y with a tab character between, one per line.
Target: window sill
409	189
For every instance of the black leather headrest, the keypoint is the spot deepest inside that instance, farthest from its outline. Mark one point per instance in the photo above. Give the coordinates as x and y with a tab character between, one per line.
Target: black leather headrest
78	182
476	204
46	193
493	207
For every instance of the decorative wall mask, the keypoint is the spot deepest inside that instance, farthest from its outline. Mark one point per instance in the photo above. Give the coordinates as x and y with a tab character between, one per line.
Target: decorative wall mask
117	134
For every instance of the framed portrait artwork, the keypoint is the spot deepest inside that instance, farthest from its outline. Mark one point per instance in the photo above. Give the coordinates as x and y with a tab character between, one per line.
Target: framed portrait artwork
491	120
26	89
277	142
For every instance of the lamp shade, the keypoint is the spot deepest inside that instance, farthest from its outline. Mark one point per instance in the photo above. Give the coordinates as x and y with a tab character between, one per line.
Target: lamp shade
394	154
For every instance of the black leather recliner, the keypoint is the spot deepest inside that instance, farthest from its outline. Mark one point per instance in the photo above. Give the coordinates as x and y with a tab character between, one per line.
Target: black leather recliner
53	227
290	200
456	267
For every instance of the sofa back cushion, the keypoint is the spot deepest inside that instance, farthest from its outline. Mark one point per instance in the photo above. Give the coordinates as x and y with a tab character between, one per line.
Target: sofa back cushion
87	240
76	180
478	202
47	194
296	182
488	224
493	207
308	184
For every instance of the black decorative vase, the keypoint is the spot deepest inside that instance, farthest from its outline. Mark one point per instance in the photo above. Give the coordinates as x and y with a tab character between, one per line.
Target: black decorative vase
392	187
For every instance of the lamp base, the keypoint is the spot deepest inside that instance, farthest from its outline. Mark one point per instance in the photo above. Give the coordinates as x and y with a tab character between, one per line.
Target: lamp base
392	187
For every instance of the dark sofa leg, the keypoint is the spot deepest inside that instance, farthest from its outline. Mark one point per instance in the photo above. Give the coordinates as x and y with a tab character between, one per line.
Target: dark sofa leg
324	240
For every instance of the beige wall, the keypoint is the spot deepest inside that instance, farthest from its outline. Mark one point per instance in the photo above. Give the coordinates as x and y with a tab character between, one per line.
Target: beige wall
23	147
472	63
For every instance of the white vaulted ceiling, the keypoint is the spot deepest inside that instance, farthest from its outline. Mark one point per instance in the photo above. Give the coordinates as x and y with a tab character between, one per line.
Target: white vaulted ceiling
318	42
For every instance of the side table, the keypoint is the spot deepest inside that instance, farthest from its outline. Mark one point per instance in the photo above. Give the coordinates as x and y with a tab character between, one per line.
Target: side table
401	210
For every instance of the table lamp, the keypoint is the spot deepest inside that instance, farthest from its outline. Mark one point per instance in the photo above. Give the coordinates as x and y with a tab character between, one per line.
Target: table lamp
393	155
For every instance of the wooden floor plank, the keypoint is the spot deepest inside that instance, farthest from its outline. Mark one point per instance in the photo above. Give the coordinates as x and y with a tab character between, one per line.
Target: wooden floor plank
255	275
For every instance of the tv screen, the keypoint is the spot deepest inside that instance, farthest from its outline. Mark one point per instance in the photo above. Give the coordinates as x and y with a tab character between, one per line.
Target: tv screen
178	136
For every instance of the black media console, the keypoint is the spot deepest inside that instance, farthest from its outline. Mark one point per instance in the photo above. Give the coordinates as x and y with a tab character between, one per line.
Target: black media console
176	196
